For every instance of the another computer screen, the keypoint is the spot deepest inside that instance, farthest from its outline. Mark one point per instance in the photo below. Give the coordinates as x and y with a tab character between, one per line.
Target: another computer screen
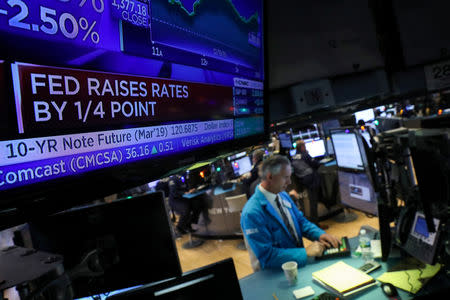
366	136
217	281
365	115
346	150
242	165
132	239
315	147
356	191
237	155
292	152
285	140
330	124
199	176
329	145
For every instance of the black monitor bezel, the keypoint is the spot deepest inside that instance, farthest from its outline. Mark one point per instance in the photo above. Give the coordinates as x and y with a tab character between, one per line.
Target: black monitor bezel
95	222
225	266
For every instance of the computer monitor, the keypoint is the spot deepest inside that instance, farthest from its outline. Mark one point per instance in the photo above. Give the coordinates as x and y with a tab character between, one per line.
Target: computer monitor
285	140
242	165
216	281
292	152
199	176
132	237
356	191
365	115
347	151
330	124
237	155
315	147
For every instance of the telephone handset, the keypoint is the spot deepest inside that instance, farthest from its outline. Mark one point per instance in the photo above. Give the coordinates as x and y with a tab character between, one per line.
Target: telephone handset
405	221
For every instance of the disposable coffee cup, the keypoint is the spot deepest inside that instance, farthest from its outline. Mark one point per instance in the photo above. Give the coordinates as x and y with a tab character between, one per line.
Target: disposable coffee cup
290	271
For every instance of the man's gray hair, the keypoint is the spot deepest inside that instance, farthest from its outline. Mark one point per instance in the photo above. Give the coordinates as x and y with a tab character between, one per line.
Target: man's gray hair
273	165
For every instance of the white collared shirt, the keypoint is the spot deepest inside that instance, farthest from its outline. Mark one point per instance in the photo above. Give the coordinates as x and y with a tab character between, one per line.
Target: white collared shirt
271	198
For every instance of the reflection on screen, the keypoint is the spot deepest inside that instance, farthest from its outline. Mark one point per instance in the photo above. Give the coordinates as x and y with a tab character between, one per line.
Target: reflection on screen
366	136
365	115
153	184
421	227
315	147
330	149
347	151
356	191
242	166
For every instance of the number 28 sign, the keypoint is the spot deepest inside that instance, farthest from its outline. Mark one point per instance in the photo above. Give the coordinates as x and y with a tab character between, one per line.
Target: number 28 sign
437	75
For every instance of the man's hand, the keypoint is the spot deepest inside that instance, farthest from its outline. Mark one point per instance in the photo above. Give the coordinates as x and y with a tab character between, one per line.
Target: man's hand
315	249
329	240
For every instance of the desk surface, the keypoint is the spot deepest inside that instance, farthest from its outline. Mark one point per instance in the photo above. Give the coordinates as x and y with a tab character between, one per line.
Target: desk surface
261	285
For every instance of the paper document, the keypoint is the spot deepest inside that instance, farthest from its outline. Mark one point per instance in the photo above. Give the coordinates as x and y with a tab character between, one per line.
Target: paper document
342	277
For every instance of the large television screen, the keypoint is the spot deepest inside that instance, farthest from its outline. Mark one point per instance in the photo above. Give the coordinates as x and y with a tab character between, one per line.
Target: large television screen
111	94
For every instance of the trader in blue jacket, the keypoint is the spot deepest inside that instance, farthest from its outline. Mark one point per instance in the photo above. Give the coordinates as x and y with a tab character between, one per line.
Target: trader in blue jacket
273	226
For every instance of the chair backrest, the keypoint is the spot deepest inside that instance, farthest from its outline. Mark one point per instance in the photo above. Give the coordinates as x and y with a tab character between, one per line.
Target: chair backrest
236	203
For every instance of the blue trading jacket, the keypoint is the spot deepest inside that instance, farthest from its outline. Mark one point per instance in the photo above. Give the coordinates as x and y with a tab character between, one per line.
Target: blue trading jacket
268	236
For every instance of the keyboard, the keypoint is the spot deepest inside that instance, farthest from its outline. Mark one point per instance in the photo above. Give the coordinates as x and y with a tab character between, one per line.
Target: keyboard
342	251
326	160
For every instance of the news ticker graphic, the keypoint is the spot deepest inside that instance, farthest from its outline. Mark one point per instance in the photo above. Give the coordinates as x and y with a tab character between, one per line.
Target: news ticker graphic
244	127
248	97
50	97
35	160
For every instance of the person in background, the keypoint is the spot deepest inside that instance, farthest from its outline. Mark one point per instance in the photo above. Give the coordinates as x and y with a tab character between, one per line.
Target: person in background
177	188
275	143
306	171
273	226
257	158
256	182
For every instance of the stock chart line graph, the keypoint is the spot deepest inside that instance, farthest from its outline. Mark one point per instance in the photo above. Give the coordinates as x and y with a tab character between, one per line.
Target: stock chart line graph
212	27
195	3
223	35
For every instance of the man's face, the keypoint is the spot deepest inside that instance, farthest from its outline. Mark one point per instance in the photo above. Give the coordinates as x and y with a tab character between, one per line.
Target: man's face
280	181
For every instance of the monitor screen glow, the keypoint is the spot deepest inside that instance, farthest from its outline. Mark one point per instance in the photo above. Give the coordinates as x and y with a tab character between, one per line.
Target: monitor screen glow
315	147
347	151
242	165
366	115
